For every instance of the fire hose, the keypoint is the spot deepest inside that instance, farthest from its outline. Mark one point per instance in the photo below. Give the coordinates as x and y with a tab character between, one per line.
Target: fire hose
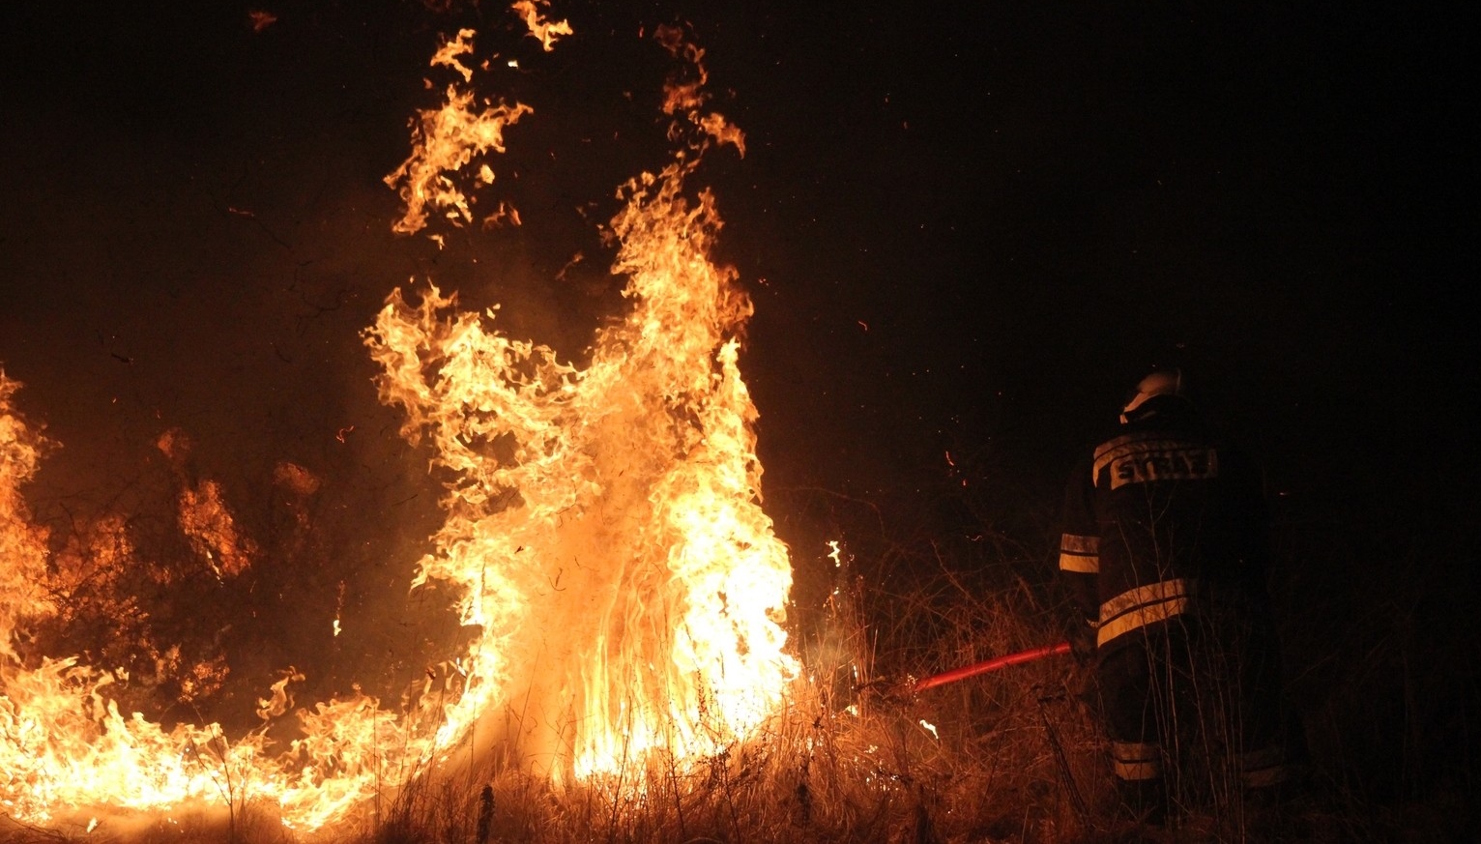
992	665
1066	775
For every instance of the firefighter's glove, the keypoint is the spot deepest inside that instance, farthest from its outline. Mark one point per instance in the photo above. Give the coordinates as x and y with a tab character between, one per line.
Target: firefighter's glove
1082	642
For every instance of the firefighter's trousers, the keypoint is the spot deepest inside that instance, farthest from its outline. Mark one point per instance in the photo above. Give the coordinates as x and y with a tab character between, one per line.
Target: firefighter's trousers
1192	709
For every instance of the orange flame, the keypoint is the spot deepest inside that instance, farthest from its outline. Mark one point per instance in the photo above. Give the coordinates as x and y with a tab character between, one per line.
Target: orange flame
203	515
532	12
445	141
22	544
617	506
604	533
604	538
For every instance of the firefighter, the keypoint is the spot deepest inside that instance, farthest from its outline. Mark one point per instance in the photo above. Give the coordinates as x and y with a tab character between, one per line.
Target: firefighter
1165	551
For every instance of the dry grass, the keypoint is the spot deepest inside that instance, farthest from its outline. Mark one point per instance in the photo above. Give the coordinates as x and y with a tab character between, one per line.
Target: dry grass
855	756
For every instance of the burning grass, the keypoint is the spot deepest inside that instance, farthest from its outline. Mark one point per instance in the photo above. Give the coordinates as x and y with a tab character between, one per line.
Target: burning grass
841	761
850	754
853	755
627	672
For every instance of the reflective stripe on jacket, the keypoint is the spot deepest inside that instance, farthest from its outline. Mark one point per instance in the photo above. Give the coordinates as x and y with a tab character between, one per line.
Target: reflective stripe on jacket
1144	605
1079	553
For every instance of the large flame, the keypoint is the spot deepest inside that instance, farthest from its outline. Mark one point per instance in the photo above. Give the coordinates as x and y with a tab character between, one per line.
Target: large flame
604	523
604	540
604	532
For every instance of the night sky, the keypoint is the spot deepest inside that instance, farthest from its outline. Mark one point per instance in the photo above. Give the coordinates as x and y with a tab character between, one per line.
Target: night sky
967	229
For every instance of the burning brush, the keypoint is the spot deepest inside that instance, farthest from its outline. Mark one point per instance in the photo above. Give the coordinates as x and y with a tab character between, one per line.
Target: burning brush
604	541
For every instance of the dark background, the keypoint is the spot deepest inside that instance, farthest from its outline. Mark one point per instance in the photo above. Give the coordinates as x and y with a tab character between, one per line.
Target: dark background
968	229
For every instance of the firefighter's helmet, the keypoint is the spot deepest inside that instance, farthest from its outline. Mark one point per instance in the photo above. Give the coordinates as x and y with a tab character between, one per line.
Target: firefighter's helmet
1161	382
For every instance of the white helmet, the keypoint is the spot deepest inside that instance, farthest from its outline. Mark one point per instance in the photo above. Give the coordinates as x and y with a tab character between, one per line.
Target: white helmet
1162	382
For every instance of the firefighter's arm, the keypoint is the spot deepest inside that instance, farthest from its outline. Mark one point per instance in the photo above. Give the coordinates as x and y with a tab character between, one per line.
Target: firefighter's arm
1079	561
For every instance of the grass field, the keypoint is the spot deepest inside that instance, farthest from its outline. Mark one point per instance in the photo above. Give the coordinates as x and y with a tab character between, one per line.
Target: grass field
857	756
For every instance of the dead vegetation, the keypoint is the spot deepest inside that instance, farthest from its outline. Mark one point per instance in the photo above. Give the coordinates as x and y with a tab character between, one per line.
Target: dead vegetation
854	757
1012	756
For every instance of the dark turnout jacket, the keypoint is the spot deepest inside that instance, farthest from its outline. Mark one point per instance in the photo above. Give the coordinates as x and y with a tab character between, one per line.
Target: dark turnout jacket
1161	520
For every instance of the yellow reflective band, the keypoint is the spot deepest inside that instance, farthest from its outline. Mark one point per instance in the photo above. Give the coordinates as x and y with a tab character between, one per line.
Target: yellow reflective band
1129	444
1141	606
1137	458
1074	543
1140	618
1136	751
1136	771
1079	553
1109	446
1079	563
1162	590
1134	760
